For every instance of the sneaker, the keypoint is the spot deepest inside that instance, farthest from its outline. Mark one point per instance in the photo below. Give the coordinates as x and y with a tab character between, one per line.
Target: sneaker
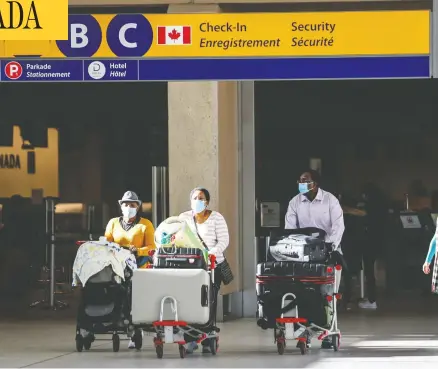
190	347
327	343
346	307
366	304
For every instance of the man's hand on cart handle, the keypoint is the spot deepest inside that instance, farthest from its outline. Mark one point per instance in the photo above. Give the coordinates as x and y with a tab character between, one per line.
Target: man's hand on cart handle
426	268
330	247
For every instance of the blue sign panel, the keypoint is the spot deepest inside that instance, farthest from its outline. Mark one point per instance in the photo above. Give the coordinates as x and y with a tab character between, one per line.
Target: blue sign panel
286	68
111	70
214	69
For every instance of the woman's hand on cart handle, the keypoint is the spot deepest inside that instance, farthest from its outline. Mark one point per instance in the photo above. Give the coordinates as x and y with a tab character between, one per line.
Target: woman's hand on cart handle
426	268
133	249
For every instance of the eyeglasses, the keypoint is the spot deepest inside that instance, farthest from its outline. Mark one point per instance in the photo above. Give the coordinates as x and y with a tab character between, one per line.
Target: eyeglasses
308	182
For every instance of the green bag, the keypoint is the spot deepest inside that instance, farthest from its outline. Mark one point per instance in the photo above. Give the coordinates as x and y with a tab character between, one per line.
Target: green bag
174	232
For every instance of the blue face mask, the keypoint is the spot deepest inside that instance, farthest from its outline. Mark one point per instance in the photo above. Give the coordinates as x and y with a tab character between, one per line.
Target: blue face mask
198	206
303	187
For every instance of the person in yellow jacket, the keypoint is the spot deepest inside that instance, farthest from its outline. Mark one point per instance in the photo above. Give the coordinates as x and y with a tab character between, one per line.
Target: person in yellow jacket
132	231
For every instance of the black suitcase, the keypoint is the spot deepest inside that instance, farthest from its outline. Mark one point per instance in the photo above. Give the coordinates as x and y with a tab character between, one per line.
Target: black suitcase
302	245
179	258
310	299
294	269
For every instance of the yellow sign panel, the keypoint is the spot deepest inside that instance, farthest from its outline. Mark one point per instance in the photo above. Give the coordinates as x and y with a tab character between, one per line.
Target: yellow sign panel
303	34
238	35
14	176
33	19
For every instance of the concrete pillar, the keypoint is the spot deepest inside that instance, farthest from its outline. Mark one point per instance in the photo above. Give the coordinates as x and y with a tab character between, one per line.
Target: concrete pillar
247	300
204	148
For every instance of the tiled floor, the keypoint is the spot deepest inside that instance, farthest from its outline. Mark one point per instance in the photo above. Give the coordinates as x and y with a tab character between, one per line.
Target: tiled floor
402	334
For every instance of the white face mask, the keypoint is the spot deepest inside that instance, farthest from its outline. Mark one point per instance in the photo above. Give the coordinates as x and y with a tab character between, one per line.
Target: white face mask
128	212
198	206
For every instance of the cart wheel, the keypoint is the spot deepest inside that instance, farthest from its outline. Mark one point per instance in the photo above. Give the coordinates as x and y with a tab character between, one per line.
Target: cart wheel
138	340
280	348
79	343
303	347
116	343
213	345
336	342
159	350
182	351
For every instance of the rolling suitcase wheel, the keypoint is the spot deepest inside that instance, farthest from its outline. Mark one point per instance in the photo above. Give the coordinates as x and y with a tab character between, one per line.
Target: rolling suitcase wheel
303	347
280	348
159	349
116	343
182	351
138	339
213	345
336	342
79	343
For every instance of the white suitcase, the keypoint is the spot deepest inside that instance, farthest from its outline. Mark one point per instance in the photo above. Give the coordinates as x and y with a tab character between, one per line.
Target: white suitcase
190	288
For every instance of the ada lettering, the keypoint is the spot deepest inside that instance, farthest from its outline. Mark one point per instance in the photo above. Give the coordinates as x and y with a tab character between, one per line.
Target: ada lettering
19	17
10	161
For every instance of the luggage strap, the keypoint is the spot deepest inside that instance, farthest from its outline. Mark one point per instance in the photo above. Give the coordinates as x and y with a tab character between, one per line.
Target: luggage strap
199	236
284	309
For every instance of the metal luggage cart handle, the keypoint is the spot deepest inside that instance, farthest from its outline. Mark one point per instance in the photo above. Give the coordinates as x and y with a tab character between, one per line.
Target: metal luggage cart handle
173	305
283	303
212	259
169	253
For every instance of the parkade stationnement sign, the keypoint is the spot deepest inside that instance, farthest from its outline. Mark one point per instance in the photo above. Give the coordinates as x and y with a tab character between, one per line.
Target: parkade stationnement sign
230	46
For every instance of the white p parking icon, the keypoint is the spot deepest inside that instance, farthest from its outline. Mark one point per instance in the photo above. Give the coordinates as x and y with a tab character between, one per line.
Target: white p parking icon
13	70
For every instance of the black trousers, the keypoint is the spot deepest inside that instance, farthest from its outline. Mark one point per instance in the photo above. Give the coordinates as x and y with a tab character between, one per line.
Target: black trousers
369	260
348	286
216	287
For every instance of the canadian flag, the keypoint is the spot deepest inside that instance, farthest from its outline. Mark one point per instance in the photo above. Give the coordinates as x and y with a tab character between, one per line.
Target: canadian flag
174	35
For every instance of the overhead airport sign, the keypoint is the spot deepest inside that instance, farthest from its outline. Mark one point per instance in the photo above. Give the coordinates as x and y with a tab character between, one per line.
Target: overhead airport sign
237	35
93	70
33	20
